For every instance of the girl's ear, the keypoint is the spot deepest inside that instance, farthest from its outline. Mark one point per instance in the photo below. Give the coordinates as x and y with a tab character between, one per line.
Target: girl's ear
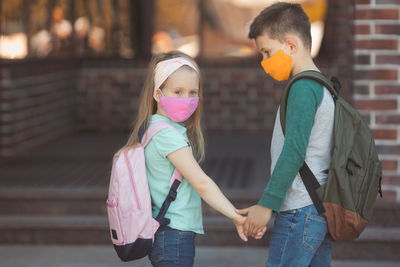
157	95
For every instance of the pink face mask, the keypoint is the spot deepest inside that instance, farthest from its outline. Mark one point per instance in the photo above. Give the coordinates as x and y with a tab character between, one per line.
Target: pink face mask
179	109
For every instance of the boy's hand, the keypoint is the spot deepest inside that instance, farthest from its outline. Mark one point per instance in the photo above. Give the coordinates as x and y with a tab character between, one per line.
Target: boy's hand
257	219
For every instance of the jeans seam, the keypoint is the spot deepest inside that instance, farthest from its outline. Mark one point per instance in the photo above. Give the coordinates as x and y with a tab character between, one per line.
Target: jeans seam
283	249
179	239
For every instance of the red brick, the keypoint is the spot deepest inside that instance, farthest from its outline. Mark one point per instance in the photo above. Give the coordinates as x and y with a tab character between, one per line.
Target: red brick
385	59
385	134
376	74
393	2
387	89
391	179
245	76
387	119
388	149
362	59
367	14
362	2
389	165
376	44
375	104
387	29
361	89
362	29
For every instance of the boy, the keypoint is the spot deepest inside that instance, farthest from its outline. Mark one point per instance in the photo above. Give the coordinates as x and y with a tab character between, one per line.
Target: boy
300	236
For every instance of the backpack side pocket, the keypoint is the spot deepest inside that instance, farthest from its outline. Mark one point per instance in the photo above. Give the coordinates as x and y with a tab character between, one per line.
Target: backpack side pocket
114	220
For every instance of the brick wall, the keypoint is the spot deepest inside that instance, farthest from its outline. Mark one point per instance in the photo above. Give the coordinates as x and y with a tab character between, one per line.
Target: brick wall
236	99
36	104
108	95
43	100
238	96
377	81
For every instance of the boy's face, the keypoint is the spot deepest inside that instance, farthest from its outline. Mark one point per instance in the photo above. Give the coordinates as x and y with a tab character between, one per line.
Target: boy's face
267	46
277	57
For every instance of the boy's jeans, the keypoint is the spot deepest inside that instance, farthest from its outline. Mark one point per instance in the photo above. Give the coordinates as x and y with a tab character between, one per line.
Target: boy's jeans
300	238
173	248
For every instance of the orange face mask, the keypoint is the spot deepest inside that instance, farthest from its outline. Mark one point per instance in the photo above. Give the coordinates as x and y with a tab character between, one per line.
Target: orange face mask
278	66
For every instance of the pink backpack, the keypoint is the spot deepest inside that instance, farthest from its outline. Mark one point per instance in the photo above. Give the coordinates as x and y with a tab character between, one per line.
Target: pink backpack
129	206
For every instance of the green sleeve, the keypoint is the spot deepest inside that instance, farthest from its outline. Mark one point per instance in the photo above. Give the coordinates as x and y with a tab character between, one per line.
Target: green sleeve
303	101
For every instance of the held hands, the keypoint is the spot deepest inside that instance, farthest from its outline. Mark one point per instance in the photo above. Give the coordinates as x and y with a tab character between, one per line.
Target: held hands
239	222
257	219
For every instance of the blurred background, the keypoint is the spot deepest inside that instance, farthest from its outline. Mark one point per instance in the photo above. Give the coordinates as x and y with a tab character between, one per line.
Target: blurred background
72	70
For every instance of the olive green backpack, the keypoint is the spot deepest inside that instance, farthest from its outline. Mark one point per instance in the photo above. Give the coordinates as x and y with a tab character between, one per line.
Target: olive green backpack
355	173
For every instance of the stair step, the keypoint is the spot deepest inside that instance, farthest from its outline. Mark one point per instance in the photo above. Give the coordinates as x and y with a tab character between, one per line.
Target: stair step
376	243
82	201
53	201
91	201
53	230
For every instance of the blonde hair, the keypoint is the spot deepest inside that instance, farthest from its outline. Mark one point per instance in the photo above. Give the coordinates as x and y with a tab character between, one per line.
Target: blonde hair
148	107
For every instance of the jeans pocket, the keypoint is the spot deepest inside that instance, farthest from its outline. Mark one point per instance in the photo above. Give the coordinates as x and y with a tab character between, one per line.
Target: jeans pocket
315	230
157	252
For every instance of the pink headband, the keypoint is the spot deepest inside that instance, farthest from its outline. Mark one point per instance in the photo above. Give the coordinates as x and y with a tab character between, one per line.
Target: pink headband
166	67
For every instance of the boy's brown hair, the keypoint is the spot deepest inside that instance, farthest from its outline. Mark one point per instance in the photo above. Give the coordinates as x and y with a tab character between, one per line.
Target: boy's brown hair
279	19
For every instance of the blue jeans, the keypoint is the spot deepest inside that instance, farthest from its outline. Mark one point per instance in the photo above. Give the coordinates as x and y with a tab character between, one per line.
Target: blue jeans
173	248
300	238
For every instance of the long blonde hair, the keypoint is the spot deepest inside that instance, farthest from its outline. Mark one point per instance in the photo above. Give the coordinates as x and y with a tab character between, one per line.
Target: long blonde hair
148	107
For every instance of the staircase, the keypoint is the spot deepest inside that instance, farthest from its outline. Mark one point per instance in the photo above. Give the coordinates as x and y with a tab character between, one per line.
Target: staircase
71	216
56	196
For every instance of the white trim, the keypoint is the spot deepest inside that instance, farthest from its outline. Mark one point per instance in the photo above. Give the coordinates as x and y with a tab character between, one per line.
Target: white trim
379	36
380	51
377	67
376	97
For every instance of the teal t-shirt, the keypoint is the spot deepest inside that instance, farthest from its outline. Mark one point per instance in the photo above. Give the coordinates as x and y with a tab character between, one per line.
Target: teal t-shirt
185	212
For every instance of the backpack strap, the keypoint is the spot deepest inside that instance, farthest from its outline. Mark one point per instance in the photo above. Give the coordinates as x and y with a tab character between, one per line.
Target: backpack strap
333	87
310	181
176	178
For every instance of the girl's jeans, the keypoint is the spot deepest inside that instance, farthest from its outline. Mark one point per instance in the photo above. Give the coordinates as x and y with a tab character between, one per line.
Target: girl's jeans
300	238
173	248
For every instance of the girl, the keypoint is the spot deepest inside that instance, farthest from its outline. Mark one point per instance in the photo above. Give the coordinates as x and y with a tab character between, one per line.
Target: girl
172	93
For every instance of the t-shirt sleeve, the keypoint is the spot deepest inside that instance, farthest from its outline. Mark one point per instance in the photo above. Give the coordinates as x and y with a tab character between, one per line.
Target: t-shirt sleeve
168	140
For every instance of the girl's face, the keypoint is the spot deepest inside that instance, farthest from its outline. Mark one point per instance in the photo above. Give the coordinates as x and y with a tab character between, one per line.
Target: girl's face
182	83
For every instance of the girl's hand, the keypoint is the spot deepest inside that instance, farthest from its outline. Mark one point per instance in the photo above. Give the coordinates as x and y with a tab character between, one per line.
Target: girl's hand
239	222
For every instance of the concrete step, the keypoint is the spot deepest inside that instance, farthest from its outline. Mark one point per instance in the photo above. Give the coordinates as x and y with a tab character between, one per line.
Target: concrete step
91	201
53	201
83	201
376	243
78	216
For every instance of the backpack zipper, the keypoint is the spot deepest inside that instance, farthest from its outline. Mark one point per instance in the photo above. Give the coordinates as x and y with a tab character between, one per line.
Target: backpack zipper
132	180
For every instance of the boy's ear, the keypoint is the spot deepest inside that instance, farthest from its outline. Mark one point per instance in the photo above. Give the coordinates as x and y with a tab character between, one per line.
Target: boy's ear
293	44
157	95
